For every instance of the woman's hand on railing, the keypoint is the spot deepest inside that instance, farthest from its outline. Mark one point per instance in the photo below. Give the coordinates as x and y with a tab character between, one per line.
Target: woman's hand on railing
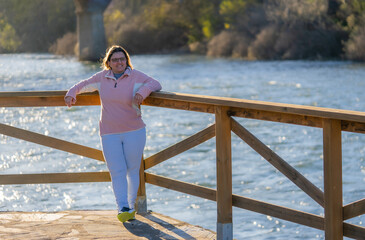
69	101
138	99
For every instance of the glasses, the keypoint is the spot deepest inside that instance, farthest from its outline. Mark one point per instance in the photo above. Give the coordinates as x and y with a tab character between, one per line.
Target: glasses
115	60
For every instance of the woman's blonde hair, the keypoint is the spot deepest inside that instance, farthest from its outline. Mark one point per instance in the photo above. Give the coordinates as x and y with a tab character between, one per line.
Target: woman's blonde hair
110	51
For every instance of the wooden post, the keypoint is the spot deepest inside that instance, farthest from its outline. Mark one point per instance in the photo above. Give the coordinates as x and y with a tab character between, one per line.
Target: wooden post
224	173
332	167
141	203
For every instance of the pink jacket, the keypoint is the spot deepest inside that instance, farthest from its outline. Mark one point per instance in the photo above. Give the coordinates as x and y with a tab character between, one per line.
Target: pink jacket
116	95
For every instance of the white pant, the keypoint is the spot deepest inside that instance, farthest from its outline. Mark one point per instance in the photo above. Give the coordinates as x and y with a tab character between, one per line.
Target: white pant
123	153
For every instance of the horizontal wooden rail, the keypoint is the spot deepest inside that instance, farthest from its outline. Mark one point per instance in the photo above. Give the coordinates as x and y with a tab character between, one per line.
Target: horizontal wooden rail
51	142
354	209
265	106
353	231
44	99
277	117
288	214
42	178
180	147
184	187
352	121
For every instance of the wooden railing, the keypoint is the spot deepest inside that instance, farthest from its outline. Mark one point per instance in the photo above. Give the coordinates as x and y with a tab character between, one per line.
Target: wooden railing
332	121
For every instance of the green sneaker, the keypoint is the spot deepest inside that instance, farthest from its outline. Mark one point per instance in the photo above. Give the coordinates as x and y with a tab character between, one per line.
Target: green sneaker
126	214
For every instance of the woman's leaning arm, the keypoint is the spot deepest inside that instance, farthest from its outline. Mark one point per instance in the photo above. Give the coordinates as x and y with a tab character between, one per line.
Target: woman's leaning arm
89	85
149	85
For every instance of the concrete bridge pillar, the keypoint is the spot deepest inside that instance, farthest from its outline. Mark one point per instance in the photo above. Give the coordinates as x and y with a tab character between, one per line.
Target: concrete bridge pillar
90	29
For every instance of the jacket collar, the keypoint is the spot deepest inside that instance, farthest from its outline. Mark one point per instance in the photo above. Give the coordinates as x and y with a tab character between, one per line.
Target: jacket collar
109	73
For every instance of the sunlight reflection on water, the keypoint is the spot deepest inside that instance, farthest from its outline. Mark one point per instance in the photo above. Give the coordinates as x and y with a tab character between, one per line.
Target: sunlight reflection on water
324	84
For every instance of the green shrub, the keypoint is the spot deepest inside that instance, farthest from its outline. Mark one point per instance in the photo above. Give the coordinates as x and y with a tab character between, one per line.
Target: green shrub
9	40
355	46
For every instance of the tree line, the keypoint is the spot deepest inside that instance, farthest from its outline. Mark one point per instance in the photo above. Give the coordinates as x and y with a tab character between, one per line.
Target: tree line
248	29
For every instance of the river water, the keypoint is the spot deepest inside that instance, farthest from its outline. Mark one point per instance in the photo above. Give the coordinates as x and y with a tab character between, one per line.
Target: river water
332	84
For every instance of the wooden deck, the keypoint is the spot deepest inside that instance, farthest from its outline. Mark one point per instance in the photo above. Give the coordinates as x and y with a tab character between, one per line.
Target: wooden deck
95	225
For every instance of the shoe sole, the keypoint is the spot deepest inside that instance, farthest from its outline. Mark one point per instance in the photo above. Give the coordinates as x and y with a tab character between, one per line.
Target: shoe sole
126	216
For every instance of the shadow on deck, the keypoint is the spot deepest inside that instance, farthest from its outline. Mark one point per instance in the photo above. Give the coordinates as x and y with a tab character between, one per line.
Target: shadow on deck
95	225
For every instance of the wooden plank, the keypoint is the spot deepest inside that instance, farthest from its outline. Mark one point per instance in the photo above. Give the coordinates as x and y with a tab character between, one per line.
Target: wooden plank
266	106
284	213
54	178
141	201
179	105
180	147
332	168
352	126
291	173
33	94
166	103
51	142
37	99
224	165
87	100
210	101
296	119
354	209
31	102
277	117
60	93
302	120
142	180
184	187
353	231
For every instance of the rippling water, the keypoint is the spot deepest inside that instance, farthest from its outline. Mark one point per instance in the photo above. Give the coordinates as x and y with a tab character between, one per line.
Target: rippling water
326	84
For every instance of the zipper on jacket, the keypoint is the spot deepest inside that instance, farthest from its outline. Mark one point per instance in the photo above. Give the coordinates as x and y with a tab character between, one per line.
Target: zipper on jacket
115	85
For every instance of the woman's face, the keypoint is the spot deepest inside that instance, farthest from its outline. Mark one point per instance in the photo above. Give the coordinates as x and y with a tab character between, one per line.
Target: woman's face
118	62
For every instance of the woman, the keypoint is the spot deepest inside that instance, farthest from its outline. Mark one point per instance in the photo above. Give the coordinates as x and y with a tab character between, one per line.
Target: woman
123	136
